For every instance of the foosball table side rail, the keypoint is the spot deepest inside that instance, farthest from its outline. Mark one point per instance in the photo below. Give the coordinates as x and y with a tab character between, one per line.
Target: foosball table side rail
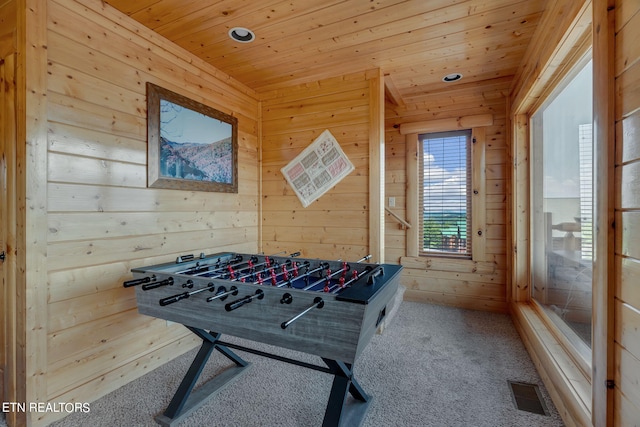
332	331
337	328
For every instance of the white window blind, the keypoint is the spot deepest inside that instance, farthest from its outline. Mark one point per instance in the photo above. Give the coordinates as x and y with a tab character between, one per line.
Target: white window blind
585	148
445	200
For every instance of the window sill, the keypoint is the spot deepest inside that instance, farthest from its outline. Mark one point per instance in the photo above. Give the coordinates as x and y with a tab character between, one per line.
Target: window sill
444	255
449	264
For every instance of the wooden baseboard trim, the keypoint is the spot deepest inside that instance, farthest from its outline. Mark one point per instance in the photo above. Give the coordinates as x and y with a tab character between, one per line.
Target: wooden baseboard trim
460	301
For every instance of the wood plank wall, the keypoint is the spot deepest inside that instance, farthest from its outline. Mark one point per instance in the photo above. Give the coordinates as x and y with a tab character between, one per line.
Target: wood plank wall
102	220
627	214
462	283
7	27
8	208
31	191
336	226
7	169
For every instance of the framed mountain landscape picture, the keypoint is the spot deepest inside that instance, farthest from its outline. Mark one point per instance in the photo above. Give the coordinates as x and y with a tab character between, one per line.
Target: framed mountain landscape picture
191	146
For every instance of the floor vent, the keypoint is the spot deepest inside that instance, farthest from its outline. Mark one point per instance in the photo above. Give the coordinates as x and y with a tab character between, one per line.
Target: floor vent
527	397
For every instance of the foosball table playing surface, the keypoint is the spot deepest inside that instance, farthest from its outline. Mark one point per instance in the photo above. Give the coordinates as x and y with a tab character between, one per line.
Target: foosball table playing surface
328	308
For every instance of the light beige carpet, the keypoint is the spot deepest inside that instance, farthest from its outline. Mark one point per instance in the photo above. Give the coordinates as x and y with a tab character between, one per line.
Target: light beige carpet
432	366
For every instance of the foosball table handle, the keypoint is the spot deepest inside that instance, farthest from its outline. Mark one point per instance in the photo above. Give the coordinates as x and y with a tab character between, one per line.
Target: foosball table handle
245	300
174	298
377	272
154	285
136	282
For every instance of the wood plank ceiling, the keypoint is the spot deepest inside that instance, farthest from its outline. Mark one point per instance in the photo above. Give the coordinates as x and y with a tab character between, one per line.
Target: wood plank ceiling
415	42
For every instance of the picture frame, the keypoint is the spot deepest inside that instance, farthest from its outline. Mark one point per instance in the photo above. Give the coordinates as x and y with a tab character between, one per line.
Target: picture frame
190	146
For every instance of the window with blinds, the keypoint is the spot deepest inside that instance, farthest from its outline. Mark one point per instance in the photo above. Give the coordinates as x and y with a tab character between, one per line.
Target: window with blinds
445	199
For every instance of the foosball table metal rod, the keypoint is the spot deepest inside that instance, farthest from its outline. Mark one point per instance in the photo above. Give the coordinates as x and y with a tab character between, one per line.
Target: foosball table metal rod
199	270
175	298
222	293
327	277
267	262
317	303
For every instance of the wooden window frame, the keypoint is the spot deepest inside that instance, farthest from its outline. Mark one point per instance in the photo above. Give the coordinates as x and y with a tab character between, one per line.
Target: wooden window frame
581	398
421	195
478	228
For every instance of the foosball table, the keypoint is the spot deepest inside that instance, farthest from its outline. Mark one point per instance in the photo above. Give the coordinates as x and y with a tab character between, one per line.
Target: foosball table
327	308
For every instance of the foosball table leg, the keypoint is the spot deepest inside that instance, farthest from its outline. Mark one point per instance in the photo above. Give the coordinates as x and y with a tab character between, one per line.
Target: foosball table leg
341	412
183	401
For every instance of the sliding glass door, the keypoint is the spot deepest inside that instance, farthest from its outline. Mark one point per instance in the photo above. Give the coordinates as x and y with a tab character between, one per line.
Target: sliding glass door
562	207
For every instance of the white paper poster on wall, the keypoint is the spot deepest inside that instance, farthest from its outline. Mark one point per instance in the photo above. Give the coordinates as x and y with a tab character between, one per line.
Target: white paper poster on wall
318	168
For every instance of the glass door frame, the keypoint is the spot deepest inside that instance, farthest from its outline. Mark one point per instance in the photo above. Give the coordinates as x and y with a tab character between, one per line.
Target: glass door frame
579	351
583	395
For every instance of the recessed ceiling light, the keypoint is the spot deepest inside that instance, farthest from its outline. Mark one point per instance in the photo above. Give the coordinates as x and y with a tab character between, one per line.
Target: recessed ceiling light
452	77
242	35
